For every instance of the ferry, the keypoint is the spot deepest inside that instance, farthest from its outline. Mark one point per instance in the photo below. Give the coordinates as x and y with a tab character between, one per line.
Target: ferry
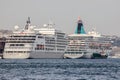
86	45
32	42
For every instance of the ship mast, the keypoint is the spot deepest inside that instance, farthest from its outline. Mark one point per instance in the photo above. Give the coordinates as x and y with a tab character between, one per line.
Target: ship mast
28	22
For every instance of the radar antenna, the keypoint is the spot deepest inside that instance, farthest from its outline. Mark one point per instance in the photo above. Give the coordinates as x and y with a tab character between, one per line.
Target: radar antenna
51	24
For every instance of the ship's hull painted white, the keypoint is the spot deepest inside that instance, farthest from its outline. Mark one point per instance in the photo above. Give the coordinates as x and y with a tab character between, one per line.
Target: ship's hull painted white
16	55
87	56
114	57
73	56
33	55
47	55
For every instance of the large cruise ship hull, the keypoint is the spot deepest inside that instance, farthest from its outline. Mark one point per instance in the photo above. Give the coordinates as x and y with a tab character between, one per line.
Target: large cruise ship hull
46	55
34	55
87	56
73	56
16	55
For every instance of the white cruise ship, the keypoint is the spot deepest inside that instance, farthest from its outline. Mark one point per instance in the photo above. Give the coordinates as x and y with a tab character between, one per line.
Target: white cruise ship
77	46
45	42
83	45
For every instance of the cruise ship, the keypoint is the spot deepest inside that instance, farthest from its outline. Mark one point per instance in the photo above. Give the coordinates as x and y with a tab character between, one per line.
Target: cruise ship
77	47
32	42
86	45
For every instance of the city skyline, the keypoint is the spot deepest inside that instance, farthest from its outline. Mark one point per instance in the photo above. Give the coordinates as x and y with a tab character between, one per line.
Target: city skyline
100	14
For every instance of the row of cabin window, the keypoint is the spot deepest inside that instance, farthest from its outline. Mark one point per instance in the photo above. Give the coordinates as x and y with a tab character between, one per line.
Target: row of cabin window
20	41
21	36
20	47
17	51
48	49
16	44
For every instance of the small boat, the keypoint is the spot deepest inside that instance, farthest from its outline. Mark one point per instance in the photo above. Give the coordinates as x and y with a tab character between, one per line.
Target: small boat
99	56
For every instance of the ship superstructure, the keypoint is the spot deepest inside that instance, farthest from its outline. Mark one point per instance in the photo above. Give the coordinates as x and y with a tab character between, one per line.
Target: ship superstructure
46	42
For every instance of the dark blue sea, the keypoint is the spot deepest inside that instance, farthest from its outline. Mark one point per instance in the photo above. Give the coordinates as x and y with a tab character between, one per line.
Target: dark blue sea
60	69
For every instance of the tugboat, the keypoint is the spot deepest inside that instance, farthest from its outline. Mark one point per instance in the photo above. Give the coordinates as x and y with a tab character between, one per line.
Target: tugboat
99	56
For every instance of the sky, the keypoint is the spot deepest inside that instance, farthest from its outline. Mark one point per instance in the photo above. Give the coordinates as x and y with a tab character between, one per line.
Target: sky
104	15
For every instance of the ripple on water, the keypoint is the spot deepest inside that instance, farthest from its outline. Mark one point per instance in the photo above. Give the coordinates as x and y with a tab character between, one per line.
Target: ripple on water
60	69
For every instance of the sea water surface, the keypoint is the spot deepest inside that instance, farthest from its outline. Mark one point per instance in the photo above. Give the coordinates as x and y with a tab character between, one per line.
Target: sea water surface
60	69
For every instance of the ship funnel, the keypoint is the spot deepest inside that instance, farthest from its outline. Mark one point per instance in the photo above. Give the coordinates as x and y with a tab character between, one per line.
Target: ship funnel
80	27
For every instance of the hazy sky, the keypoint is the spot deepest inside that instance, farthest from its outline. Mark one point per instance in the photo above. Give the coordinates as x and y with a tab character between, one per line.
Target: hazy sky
104	15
